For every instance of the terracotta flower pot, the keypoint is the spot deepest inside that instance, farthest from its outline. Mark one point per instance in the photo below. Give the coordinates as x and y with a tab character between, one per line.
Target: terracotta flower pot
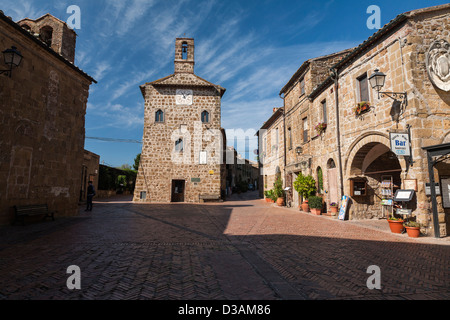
305	206
317	212
280	202
334	210
396	226
413	232
268	199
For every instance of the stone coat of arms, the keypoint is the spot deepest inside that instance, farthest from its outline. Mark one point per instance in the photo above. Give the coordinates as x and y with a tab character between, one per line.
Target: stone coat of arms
438	64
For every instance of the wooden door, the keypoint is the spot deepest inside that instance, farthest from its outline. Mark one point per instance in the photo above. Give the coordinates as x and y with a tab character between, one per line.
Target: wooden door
178	188
333	185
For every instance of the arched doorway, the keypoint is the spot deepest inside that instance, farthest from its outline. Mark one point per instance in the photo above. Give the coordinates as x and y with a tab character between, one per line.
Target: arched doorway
374	176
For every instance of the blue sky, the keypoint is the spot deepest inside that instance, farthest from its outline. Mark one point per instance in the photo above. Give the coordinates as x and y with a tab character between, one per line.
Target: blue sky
250	47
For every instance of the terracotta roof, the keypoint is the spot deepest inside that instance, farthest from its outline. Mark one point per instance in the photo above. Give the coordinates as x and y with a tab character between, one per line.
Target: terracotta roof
183	79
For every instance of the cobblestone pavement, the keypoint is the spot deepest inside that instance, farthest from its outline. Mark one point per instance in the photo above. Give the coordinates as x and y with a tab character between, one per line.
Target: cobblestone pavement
244	249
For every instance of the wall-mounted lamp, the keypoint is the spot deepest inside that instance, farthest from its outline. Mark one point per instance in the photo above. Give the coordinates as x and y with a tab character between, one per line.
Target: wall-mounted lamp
12	58
299	150
377	81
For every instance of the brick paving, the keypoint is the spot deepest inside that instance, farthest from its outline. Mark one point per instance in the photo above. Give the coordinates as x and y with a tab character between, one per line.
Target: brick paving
244	249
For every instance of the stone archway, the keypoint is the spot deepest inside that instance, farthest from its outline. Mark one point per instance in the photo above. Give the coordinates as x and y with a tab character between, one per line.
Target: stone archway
369	164
365	144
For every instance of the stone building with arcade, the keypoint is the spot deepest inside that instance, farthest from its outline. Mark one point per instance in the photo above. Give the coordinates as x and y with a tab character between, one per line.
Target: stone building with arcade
346	134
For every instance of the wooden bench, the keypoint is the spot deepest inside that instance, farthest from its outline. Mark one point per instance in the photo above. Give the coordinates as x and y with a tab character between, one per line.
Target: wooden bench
33	210
209	197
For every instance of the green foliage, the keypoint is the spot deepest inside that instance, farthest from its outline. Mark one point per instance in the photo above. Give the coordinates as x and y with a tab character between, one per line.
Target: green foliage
305	186
278	190
315	202
137	160
116	179
412	224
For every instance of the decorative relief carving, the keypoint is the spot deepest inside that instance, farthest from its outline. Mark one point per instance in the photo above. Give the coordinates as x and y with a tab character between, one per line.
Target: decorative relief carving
438	64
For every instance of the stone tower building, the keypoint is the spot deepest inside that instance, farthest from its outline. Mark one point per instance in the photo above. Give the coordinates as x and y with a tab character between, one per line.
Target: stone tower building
53	32
183	143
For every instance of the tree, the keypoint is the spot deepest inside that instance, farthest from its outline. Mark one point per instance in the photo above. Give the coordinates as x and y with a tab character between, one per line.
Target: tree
305	186
137	160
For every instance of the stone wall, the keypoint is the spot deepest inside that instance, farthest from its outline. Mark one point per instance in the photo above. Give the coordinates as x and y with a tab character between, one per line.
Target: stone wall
401	56
160	162
42	116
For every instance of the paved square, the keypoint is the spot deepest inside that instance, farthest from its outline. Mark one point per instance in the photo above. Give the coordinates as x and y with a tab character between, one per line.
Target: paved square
240	249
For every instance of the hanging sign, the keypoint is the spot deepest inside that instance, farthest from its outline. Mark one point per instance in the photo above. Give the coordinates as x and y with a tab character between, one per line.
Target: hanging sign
344	206
400	144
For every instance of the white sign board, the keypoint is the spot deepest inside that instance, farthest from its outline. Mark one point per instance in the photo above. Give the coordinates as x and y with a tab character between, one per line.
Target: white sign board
400	144
203	157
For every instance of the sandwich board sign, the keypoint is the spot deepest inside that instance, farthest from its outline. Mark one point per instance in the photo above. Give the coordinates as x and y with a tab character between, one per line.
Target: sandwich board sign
344	206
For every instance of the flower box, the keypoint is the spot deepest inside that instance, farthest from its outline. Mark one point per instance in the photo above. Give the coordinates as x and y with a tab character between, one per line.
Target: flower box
362	107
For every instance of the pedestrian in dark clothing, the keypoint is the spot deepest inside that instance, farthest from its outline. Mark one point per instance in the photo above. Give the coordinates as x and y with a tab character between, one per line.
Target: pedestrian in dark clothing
90	196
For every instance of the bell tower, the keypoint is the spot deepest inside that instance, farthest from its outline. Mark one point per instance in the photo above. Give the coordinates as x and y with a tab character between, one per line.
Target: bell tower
184	55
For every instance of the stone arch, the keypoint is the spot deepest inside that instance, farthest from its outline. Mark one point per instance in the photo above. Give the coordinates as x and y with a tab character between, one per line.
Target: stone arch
46	35
360	148
446	138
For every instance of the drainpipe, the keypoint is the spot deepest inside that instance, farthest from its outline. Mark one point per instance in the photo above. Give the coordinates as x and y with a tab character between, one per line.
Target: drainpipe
335	78
284	140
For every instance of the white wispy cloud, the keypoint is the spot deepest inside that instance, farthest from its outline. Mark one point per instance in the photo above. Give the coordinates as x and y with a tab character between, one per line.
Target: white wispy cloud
20	9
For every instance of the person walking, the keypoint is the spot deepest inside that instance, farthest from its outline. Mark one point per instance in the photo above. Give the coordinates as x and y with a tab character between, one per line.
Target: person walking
90	196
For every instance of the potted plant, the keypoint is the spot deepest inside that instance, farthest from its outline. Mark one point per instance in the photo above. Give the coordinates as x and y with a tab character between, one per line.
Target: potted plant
412	228
320	128
306	187
315	204
279	192
362	107
334	207
396	224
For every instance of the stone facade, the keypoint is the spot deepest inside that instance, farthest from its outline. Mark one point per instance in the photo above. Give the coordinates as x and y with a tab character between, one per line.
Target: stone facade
271	150
42	116
300	125
183	144
354	151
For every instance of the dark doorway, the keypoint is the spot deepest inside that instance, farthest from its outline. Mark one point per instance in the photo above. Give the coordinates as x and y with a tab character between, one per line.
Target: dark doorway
178	190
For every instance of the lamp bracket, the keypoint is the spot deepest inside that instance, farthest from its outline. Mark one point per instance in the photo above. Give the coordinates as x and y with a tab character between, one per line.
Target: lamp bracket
394	95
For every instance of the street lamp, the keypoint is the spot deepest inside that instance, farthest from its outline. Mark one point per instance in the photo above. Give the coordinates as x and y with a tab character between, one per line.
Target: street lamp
12	58
377	81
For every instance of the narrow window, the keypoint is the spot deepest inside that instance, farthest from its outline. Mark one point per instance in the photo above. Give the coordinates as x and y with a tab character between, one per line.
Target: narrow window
179	145
276	138
305	129
363	88
159	116
290	138
302	86
205	116
46	34
324	111
184	53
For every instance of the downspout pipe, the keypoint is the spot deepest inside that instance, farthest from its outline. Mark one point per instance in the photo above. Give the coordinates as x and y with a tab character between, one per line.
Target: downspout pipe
335	77
284	138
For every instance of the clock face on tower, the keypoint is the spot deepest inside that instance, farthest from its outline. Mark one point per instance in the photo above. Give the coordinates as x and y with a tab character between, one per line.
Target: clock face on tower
184	97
